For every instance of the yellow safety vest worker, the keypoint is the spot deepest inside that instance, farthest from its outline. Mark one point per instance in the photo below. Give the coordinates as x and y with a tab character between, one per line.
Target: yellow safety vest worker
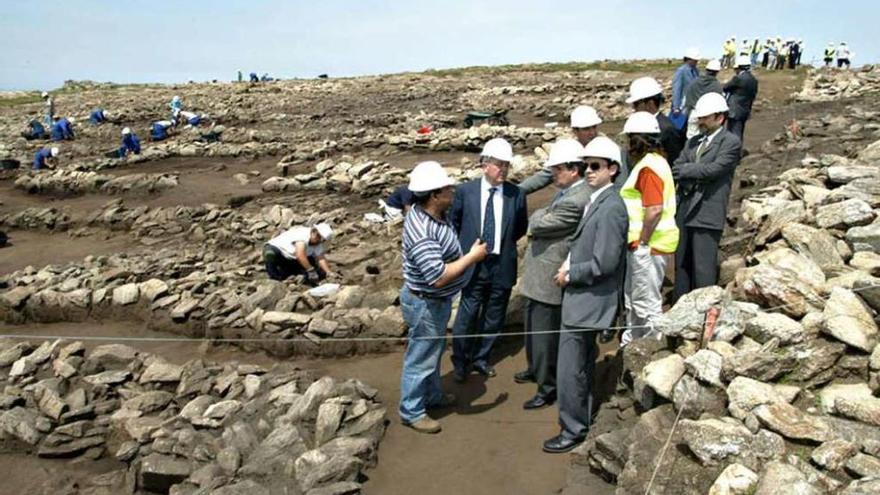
665	236
829	53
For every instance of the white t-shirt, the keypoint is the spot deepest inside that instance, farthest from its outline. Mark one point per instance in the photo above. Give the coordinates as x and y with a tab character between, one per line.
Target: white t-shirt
285	242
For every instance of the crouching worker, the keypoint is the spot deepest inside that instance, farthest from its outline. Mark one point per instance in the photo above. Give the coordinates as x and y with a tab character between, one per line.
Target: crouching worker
298	251
62	129
130	143
192	118
45	158
397	204
161	129
35	130
99	116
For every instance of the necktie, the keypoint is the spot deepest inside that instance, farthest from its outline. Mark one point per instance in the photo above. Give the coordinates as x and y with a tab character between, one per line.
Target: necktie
489	221
702	147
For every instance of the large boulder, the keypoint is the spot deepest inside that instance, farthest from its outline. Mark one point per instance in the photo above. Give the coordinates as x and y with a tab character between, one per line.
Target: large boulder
774	287
847	319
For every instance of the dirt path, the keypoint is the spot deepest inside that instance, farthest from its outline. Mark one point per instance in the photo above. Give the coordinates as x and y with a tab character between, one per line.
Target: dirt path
489	444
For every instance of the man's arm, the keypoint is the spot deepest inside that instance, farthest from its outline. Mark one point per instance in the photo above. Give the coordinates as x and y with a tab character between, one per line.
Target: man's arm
677	89
608	251
301	256
652	218
322	262
732	84
521	217
725	163
561	221
536	182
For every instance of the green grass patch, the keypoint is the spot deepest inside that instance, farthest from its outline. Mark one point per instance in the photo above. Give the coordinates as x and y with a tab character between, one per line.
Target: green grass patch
20	100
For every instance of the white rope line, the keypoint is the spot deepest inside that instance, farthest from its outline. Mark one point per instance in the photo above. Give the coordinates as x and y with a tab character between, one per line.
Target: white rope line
665	446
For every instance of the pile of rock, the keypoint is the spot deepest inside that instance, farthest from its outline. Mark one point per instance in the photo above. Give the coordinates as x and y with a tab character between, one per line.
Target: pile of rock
472	139
831	84
363	176
784	393
67	181
200	427
37	218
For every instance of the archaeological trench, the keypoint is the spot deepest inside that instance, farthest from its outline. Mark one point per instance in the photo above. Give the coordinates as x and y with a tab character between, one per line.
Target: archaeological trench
782	399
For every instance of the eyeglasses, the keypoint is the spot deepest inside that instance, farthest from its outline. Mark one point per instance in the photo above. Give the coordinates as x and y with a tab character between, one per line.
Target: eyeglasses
595	166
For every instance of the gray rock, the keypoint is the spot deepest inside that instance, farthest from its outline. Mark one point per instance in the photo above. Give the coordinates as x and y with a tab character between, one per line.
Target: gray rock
705	365
161	371
159	472
833	454
338	468
783	479
338	488
697	399
112	377
870	486
790	422
127	451
866	410
71	448
769	286
736	479
863	465
329	418
285	319
126	294
865	238
113	355
196	408
246	487
21	423
829	395
714	440
153	289
284	442
687	317
148	402
844	214
766	326
662	375
814	357
848	320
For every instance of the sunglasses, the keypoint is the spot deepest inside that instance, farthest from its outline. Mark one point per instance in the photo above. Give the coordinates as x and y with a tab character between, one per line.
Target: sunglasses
595	166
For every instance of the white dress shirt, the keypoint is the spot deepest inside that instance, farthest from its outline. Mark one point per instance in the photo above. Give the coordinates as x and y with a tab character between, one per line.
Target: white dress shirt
497	206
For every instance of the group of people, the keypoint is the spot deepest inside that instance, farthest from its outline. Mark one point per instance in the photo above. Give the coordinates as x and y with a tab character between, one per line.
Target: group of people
619	217
842	53
689	85
61	129
775	53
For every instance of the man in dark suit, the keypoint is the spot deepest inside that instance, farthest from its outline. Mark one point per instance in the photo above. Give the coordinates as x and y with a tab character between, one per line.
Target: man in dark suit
494	210
592	279
703	175
742	89
550	230
646	95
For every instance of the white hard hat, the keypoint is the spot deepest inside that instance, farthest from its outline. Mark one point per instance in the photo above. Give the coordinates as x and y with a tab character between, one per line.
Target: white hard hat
72	120
641	123
428	176
642	88
54	151
743	61
324	230
126	130
584	116
710	103
498	149
692	53
602	147
176	98
733	36
830	43
713	65
564	151
105	113
44	94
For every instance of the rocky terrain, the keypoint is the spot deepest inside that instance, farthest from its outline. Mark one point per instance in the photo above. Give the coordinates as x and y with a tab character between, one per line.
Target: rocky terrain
770	384
170	241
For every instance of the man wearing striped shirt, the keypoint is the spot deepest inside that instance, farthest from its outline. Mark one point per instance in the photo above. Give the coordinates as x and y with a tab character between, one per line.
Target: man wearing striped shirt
433	269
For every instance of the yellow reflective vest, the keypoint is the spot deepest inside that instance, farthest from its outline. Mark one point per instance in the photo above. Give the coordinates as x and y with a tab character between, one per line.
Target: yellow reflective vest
665	236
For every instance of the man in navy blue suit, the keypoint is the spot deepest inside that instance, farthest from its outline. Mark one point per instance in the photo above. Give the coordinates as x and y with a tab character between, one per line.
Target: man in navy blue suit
492	209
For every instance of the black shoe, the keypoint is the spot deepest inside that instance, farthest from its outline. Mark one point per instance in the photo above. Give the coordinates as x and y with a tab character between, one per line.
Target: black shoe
485	369
561	445
538	402
525	376
459	376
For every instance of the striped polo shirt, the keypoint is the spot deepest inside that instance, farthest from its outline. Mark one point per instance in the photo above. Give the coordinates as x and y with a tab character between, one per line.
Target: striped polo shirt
428	245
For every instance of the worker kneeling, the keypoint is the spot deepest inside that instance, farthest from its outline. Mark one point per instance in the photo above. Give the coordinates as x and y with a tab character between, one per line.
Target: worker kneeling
160	130
298	251
45	158
649	196
130	143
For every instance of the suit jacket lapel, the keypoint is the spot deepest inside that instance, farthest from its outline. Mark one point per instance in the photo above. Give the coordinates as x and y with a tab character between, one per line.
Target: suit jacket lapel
506	208
593	207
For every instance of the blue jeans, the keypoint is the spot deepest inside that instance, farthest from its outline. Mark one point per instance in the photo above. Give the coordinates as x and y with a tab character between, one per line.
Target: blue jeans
420	378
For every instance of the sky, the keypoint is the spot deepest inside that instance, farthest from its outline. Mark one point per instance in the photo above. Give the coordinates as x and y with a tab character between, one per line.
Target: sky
46	42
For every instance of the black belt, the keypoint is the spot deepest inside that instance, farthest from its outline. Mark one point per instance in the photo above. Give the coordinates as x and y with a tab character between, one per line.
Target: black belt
425	295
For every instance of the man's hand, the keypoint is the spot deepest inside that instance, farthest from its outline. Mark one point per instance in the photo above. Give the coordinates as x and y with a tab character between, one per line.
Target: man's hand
676	174
312	276
561	277
478	250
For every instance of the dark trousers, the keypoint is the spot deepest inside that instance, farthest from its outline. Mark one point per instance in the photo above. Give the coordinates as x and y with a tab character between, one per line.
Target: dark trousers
482	309
736	126
696	260
765	59
280	268
542	349
575	368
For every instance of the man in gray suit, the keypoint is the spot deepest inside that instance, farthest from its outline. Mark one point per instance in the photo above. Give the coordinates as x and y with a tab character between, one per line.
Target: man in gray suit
703	174
592	278
550	229
742	89
584	126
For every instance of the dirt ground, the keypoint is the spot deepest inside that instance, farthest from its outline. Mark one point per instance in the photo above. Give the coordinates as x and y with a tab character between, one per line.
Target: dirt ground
489	444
